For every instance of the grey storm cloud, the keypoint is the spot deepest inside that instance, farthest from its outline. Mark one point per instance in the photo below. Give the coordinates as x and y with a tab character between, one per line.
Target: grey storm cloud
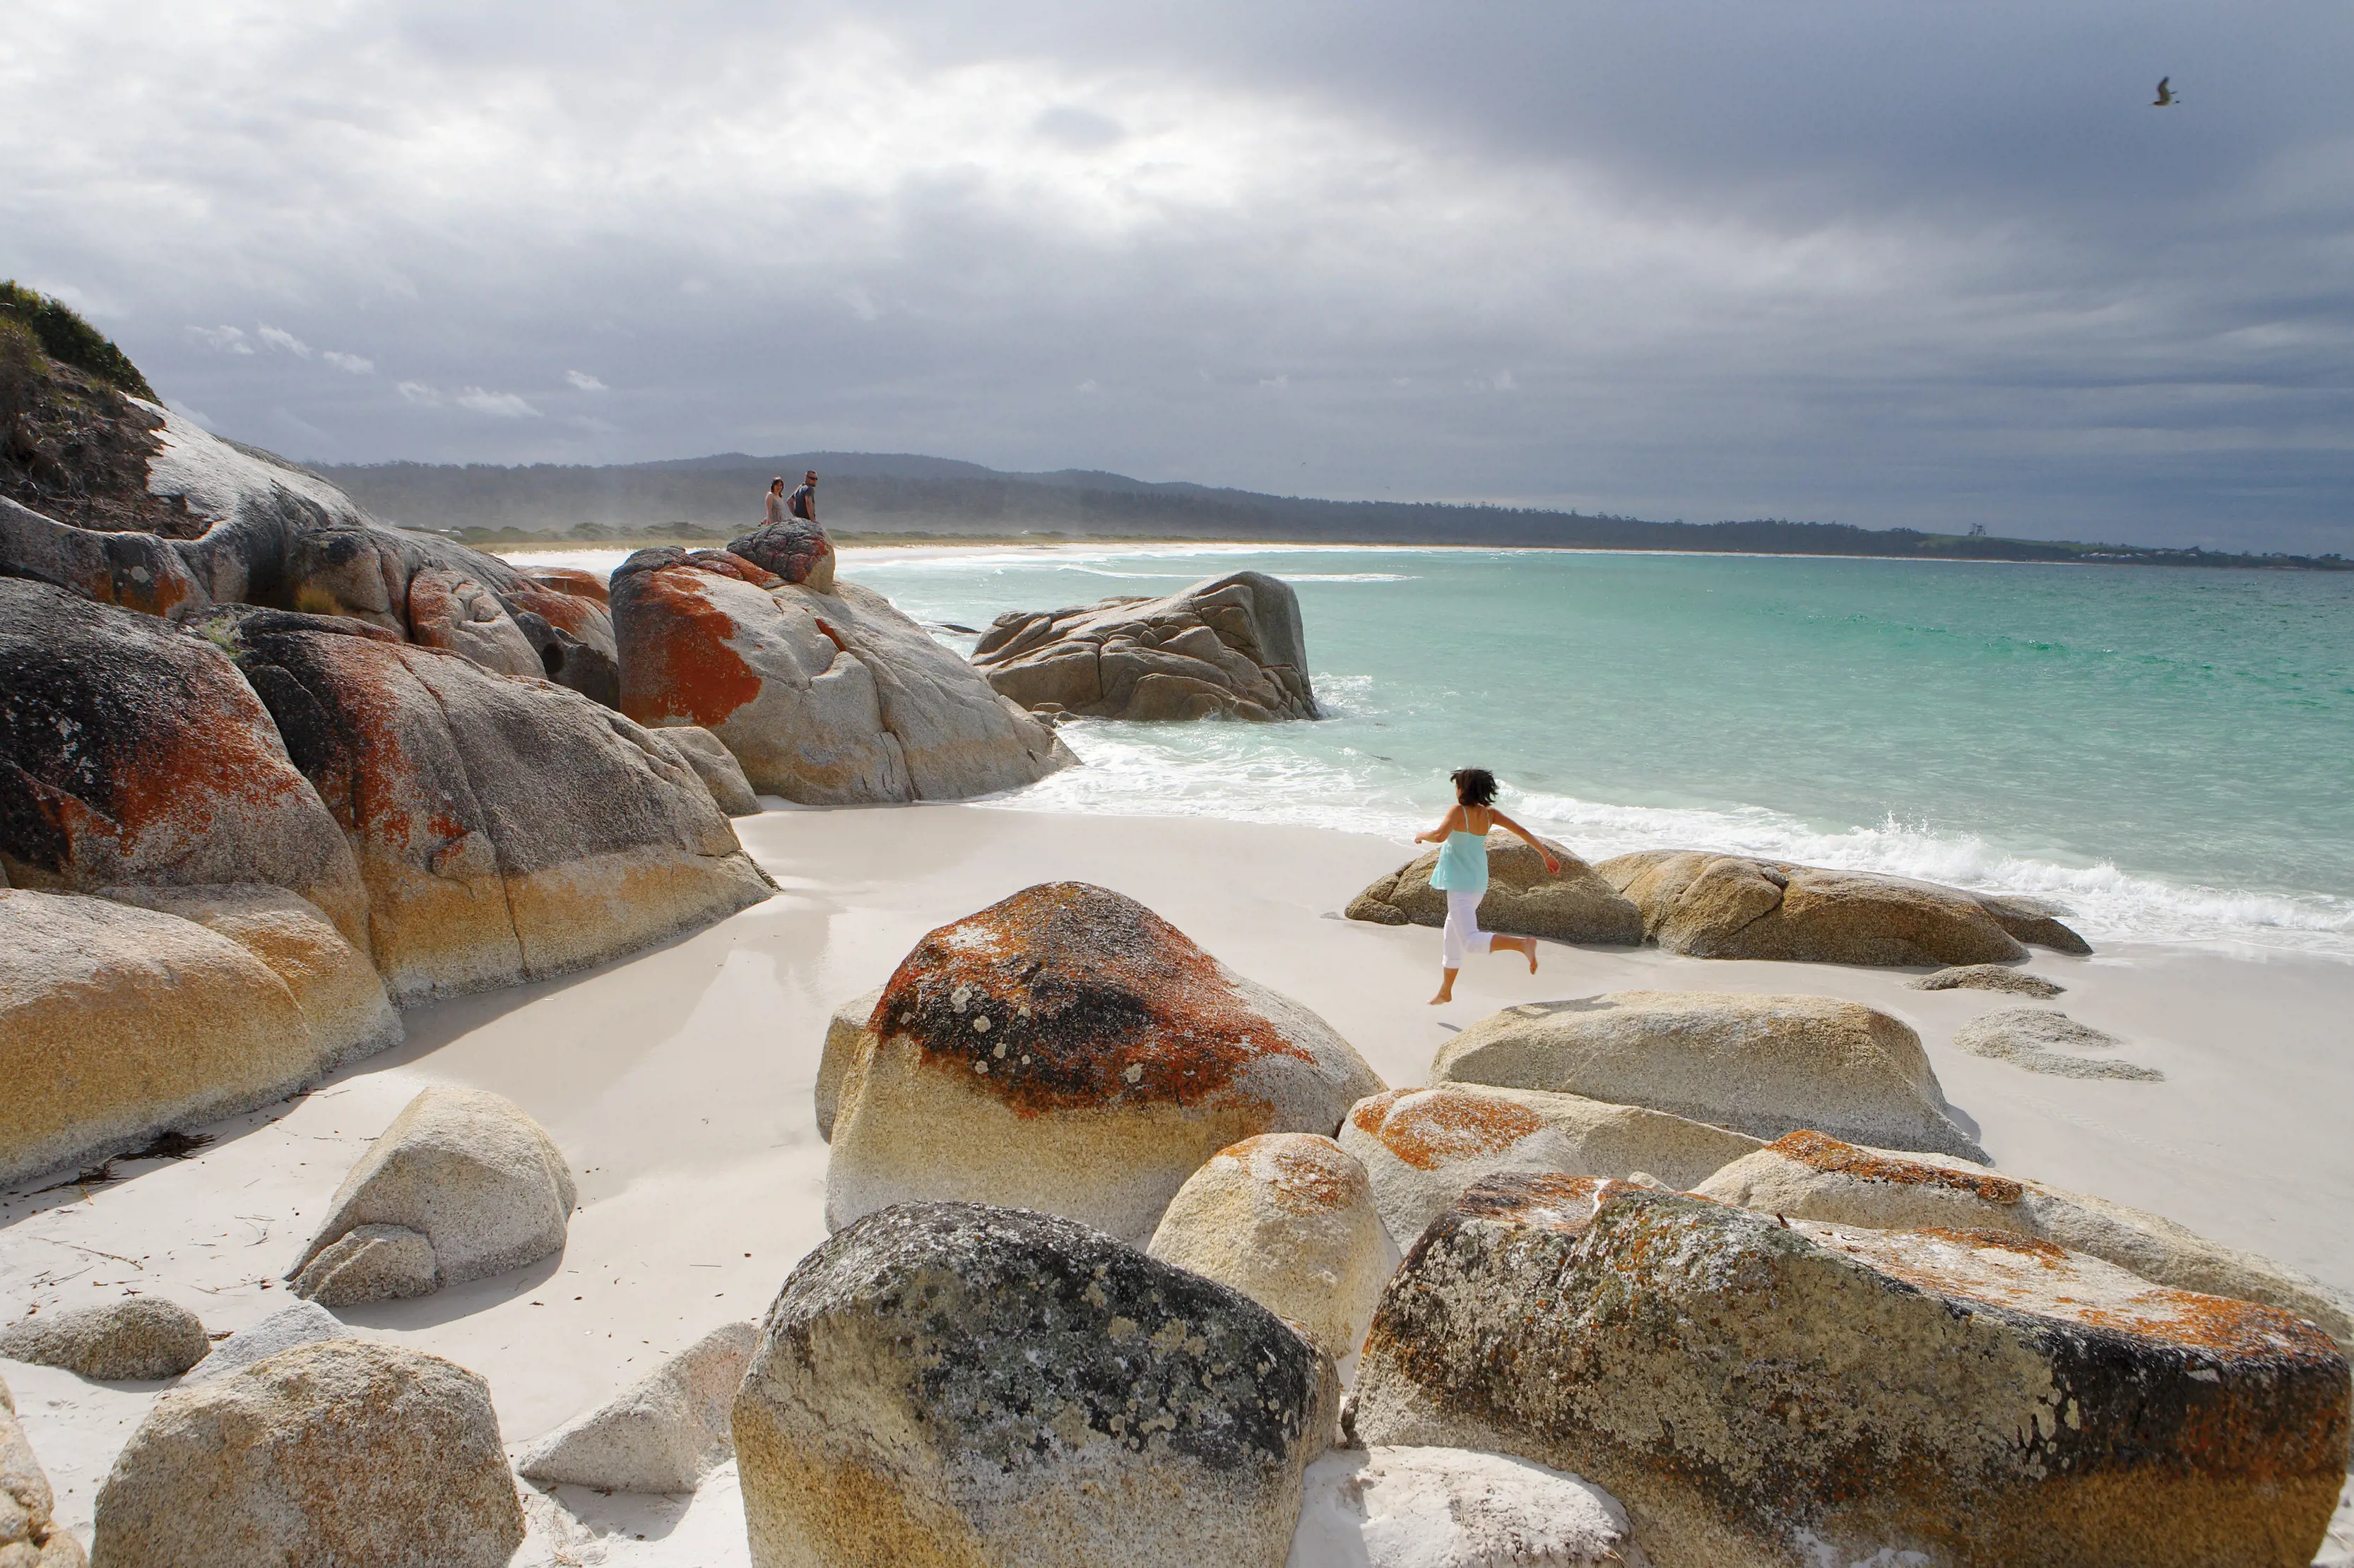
1882	264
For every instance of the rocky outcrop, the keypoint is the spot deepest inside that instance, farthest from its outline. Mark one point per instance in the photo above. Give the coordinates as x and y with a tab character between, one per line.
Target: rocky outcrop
1451	1507
467	1171
1067	1050
2042	1040
1735	906
1764	1065
795	550
1522	900
1229	647
1760	1391
506	829
344	1451
1423	1148
303	1323
951	1384
30	1536
842	1031
715	766
825	698
660	1435
137	1338
1809	1176
1287	1219
117	1022
131	753
1989	976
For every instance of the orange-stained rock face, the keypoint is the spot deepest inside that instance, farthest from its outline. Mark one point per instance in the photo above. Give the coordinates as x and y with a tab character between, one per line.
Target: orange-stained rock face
1829	1154
1303	1173
1429	1127
688	674
569	581
1068	995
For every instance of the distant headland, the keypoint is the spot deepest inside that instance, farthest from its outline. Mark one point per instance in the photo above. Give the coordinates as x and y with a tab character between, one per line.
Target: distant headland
877	497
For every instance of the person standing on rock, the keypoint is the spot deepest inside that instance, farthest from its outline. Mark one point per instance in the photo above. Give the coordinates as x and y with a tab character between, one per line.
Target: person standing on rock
1462	874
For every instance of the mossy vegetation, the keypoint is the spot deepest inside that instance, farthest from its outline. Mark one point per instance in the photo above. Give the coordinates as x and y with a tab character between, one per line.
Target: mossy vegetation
65	338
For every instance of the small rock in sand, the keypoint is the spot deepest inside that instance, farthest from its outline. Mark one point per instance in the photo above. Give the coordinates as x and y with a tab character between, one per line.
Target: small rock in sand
1989	976
370	1262
303	1323
660	1435
2042	1040
1455	1508
135	1339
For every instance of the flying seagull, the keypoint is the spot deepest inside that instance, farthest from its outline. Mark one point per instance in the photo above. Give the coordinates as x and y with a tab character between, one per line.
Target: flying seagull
2166	98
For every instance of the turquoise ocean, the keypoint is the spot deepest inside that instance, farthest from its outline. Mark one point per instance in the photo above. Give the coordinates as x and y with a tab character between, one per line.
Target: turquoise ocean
2170	753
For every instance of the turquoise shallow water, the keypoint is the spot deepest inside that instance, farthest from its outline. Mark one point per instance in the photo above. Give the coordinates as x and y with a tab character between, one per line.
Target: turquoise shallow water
2167	752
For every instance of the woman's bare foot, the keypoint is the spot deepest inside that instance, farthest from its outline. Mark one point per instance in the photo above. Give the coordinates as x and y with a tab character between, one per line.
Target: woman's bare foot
1441	998
1532	951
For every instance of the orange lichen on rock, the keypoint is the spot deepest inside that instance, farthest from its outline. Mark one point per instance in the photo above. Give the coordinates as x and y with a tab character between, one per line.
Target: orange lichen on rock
1065	995
1826	1153
1428	1127
692	673
1306	1180
569	581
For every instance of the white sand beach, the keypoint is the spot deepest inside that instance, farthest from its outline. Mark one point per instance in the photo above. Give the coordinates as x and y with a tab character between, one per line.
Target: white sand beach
678	1084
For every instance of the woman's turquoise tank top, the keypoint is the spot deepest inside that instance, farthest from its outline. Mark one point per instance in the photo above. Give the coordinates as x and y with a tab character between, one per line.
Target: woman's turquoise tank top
1462	865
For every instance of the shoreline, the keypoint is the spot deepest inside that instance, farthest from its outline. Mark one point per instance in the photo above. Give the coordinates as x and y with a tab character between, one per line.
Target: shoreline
678	1084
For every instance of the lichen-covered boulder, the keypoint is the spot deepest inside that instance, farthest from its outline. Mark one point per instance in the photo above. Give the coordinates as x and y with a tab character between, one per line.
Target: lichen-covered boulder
1574	904
1227	647
1811	1176
133	1338
1451	1507
1760	1065
341	997
1736	906
301	1323
506	830
117	1022
715	766
796	550
460	616
825	697
137	571
659	1436
467	1169
30	1536
842	1031
1066	1049
132	753
1759	1391
951	1384
342	1451
1287	1219
1422	1148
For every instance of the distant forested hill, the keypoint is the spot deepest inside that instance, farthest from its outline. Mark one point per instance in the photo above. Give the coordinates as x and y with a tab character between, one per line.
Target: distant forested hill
885	493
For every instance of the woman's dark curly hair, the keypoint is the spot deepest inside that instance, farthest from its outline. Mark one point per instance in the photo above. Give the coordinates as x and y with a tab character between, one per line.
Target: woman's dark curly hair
1474	786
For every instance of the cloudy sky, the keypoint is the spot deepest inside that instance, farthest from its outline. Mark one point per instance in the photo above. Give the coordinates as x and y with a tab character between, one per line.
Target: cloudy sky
1876	261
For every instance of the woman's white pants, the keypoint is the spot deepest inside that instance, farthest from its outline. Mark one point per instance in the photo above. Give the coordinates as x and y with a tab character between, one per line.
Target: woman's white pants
1462	934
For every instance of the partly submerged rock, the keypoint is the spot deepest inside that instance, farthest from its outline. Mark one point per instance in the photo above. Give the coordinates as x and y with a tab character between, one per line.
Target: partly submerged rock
952	1384
1287	1219
1811	1176
134	1339
1573	905
117	1022
2044	1040
1422	1148
1736	906
1764	1065
303	1323
467	1170
659	1436
1453	1508
344	1451
825	698
715	766
507	829
1758	1391
1989	976
1229	647
842	1031
1066	1049
30	1536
